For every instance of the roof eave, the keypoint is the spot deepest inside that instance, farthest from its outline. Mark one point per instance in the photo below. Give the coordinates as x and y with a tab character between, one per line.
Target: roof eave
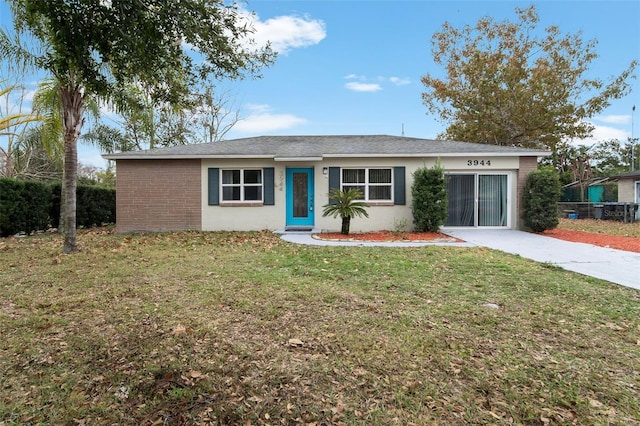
294	159
124	156
182	157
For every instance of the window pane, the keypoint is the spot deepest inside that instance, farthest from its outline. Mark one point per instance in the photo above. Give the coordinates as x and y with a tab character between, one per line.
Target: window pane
353	175
230	177
231	193
300	195
253	176
380	192
252	193
361	188
460	200
380	176
492	200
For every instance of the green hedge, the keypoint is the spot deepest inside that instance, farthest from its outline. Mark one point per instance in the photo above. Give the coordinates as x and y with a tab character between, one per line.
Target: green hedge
24	206
27	206
94	206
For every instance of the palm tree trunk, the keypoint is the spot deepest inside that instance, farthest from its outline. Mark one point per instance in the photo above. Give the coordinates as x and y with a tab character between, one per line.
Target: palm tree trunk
72	112
346	222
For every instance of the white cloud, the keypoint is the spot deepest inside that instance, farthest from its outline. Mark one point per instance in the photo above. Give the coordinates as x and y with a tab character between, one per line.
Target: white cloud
363	87
613	119
362	84
283	32
398	81
262	120
288	32
603	133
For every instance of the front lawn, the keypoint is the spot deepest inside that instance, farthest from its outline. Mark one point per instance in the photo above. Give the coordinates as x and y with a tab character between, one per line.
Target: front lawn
242	328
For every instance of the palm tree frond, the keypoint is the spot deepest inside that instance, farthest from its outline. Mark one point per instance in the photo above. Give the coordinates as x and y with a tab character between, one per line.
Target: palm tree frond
345	203
46	102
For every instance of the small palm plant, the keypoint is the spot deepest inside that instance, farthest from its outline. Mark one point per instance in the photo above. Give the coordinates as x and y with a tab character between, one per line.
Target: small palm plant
346	204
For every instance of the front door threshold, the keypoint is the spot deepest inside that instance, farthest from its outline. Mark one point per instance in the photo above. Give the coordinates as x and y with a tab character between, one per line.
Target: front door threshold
297	230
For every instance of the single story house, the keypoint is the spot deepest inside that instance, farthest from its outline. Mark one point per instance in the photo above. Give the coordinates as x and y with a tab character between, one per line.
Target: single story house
282	182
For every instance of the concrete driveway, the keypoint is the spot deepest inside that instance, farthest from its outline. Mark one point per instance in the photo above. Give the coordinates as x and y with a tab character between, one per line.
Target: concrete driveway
616	266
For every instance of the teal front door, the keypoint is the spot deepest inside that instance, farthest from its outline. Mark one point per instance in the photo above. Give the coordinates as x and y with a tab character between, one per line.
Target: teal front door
300	207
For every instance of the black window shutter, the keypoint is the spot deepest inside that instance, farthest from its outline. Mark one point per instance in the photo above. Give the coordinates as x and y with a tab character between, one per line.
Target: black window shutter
334	180
399	191
214	186
268	176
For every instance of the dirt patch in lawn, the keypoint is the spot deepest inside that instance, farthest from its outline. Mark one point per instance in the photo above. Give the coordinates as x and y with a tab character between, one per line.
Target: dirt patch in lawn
389	236
602	240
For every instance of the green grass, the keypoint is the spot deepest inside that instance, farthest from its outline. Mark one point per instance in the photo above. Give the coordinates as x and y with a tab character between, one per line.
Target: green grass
242	328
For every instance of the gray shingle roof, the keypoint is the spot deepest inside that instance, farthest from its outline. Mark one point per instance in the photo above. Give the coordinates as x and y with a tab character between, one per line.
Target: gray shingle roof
317	147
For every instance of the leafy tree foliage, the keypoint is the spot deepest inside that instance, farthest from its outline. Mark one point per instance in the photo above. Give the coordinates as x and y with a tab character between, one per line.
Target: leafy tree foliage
504	86
98	48
203	118
429	194
345	204
109	139
612	157
30	158
106	178
576	163
539	200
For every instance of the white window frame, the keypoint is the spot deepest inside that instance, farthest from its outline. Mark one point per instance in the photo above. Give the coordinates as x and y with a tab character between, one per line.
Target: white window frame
367	184
242	185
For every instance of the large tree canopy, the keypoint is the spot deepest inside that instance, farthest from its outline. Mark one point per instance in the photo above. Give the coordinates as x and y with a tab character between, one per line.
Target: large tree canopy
99	48
166	46
506	86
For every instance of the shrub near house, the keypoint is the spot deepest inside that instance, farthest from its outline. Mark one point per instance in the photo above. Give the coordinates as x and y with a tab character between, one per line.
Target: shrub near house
541	193
429	198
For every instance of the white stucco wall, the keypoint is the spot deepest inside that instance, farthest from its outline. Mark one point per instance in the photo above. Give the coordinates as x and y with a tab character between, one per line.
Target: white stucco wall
380	217
627	190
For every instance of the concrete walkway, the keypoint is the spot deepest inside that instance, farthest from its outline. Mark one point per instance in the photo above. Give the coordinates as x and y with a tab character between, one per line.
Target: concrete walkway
616	266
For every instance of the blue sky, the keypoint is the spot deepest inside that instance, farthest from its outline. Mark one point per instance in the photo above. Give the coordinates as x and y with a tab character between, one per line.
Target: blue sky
354	67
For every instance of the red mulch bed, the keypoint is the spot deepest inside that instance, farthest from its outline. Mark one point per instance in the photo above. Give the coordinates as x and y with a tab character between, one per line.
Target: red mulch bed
602	240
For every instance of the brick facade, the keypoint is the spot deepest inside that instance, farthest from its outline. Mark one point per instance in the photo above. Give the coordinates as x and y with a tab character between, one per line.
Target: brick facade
527	165
158	195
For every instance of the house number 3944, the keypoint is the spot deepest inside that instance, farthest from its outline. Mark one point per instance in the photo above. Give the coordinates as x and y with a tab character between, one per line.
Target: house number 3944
478	162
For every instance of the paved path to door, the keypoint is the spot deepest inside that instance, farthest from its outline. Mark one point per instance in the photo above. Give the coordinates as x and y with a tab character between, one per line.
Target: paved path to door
616	266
